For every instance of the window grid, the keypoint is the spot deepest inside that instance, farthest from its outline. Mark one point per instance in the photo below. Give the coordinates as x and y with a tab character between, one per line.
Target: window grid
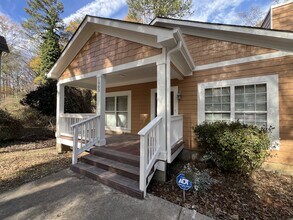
217	104
248	104
117	113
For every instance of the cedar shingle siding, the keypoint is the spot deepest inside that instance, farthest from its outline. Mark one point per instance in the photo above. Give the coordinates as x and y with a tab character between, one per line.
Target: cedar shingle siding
282	17
206	51
103	51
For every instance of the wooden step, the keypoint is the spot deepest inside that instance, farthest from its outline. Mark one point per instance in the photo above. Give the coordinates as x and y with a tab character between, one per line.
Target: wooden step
122	169
114	180
116	155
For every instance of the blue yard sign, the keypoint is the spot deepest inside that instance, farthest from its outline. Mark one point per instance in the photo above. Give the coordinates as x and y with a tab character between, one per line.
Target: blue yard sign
182	182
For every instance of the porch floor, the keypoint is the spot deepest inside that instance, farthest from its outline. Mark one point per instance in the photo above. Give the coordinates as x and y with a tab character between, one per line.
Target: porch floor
127	143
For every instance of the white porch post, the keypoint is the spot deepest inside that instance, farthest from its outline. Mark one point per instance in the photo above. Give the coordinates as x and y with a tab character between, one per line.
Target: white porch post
101	99
163	107
60	108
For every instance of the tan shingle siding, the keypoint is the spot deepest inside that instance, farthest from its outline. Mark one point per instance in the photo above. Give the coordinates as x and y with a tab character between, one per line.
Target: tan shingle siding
282	17
103	51
206	51
281	66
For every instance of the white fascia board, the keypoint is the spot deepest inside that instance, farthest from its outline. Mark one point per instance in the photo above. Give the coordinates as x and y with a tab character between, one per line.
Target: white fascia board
222	27
280	40
147	35
145	29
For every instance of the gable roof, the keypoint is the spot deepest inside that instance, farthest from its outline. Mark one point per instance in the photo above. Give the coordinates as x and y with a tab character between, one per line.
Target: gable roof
157	37
3	45
267	38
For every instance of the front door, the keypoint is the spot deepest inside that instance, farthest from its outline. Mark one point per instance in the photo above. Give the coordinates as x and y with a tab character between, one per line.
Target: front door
173	103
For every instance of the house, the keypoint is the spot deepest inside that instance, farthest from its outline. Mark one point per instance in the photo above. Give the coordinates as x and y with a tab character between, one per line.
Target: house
155	82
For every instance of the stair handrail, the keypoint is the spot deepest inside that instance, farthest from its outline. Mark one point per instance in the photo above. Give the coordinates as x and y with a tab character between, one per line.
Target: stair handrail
149	151
85	135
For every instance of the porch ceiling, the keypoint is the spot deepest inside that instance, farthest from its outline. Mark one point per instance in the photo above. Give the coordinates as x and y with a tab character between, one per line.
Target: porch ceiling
127	77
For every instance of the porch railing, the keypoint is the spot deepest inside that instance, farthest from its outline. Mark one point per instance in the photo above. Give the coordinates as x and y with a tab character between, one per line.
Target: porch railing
67	120
85	135
149	151
176	129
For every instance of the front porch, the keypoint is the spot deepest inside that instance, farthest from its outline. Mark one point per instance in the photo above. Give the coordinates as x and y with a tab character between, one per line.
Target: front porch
136	93
147	119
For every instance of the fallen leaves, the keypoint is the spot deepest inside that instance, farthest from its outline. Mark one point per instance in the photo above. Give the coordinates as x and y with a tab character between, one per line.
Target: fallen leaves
264	195
24	162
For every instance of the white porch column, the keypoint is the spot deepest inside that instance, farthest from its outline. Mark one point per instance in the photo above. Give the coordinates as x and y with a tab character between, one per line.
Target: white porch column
163	105
101	100
60	108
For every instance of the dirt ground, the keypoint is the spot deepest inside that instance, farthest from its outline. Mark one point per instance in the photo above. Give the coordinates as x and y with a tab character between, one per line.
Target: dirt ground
25	161
264	195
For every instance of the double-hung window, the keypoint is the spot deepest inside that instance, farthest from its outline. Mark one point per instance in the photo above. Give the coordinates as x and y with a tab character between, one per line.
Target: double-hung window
117	110
252	101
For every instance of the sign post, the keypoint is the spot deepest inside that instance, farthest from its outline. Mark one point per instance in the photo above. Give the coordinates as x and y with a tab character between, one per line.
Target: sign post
183	183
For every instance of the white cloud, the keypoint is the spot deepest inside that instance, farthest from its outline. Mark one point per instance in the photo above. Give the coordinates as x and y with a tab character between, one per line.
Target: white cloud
102	8
221	11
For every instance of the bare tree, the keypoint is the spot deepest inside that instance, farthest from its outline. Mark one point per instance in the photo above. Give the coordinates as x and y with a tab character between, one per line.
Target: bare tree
17	76
255	14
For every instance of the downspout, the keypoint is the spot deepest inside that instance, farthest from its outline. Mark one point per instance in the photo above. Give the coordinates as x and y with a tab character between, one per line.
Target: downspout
168	116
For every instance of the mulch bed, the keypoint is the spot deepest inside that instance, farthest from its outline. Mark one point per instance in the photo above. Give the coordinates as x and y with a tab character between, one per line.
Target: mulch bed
263	195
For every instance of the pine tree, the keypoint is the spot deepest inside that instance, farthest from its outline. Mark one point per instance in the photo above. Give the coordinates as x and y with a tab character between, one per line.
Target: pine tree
145	10
45	26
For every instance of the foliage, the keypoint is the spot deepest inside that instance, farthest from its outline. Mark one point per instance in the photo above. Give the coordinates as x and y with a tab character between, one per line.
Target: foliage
25	115
49	53
201	180
44	99
44	16
234	146
72	26
45	25
145	11
9	127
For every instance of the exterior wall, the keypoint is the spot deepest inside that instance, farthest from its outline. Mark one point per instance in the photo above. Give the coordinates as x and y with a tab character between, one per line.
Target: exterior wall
140	103
281	66
282	17
206	51
103	51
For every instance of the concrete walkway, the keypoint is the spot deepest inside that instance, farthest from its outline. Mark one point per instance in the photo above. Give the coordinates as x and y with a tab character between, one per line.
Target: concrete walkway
66	195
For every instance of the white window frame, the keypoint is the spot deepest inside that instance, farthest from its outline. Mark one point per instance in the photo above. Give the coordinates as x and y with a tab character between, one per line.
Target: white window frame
173	89
121	93
272	84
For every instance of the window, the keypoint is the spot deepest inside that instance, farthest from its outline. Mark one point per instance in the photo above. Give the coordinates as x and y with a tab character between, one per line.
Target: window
117	110
251	104
217	104
252	100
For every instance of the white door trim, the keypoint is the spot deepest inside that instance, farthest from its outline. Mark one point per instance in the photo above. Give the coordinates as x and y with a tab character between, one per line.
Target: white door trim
121	93
153	91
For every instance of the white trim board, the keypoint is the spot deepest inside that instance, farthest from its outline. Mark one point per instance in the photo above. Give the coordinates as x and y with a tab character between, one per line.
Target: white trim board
121	93
114	69
243	60
272	82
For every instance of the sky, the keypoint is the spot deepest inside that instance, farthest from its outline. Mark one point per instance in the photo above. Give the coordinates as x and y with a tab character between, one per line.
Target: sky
217	11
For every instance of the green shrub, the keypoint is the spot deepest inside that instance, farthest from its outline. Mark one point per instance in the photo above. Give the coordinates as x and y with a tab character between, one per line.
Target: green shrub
9	127
234	146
